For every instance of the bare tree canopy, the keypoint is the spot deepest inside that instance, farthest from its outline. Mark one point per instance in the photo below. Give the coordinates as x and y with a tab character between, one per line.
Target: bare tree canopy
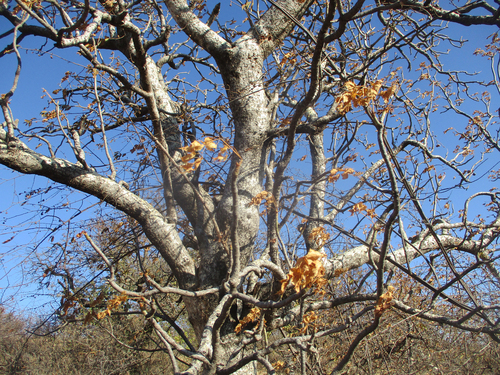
265	176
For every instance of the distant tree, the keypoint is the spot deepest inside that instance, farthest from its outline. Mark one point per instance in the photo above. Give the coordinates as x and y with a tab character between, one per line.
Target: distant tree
274	172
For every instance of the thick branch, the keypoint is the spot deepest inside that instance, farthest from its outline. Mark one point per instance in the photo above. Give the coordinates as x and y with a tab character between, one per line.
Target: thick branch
198	31
16	155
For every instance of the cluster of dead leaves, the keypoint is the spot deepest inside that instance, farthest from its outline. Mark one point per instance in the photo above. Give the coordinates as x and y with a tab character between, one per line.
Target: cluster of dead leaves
48	115
308	272
112	304
265	196
278	365
384	302
30	4
309	320
361	96
335	174
320	236
361	207
193	152
251	317
290	56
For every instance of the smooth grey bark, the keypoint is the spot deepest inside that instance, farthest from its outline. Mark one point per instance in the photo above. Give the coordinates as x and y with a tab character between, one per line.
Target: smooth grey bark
317	205
241	66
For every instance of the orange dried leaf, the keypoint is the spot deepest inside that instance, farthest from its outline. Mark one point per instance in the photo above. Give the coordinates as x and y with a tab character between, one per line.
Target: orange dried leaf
252	316
308	320
429	168
347	172
384	301
210	144
371	212
387	94
188	157
334	176
314	255
308	271
102	314
320	236
263	195
187	166
358	207
369	146
339	271
278	365
117	301
195	146
197	163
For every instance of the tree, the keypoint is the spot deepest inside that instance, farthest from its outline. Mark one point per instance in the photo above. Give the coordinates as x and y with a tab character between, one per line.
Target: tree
304	177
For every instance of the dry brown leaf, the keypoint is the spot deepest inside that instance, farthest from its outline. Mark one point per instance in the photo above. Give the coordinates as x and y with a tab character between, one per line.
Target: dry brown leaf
210	144
384	301
308	271
320	236
358	207
252	316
